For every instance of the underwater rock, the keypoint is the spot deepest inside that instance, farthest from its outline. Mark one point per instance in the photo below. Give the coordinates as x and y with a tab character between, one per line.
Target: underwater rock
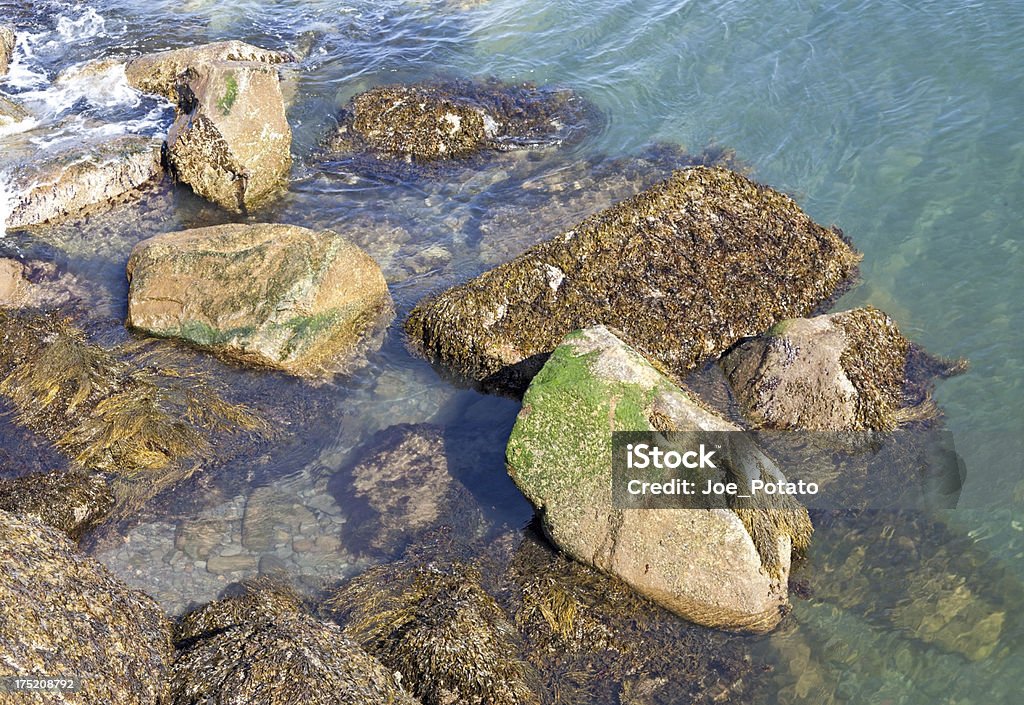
716	566
684	270
437	627
79	179
158	72
261	648
402	487
231	141
6	47
837	372
13	285
71	501
63	614
307	302
450	120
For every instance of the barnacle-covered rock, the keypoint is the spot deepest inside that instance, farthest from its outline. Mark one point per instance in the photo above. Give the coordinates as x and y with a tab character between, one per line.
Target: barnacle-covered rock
441	630
71	501
684	270
63	614
262	648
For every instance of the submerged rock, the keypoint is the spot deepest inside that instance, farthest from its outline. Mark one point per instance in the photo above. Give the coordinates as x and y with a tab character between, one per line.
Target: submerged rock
71	501
79	180
838	372
684	270
402	487
717	566
438	628
158	72
261	648
231	141
427	122
280	296
64	615
6	47
13	285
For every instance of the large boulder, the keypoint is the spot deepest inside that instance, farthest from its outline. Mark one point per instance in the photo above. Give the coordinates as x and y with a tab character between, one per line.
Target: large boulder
427	122
269	295
721	566
63	614
231	141
684	270
261	648
6	47
158	72
838	372
71	501
76	181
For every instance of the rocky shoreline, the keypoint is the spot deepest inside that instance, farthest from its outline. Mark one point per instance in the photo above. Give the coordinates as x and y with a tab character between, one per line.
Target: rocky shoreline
598	329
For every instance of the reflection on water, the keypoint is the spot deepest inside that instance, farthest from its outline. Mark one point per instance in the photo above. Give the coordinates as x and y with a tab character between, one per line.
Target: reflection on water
894	121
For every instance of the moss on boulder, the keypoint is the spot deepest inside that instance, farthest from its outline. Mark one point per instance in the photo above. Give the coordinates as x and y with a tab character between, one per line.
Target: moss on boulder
63	614
684	270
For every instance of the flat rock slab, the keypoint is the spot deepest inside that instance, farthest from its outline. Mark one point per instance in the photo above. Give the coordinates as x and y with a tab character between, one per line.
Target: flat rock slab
76	181
307	302
701	562
683	270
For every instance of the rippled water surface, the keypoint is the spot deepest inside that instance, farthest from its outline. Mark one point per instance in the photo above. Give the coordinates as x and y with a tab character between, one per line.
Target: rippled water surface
899	122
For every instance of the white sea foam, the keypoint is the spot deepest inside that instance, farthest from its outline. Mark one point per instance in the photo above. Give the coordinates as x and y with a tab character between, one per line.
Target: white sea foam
7	195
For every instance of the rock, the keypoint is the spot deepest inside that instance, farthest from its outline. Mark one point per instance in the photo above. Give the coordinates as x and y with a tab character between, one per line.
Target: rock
13	286
437	627
73	502
222	564
79	180
402	487
280	296
197	538
11	112
63	614
261	648
720	567
6	47
158	73
428	122
93	69
684	270
839	372
231	141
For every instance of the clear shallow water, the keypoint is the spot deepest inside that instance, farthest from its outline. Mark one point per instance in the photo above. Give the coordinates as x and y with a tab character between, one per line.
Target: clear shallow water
897	122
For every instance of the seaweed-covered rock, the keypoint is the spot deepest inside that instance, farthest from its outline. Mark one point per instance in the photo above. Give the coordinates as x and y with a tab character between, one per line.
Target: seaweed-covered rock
6	47
158	72
261	648
717	566
280	296
81	179
449	639
402	487
231	141
70	501
838	372
684	270
427	122
63	614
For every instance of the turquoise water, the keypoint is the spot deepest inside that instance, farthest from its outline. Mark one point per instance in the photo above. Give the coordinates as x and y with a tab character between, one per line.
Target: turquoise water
898	122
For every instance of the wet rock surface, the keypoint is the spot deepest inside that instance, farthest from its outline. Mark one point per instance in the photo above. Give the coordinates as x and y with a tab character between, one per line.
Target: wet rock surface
310	303
70	501
78	180
456	119
158	72
683	270
262	648
11	111
838	372
62	613
6	47
231	141
719	566
13	285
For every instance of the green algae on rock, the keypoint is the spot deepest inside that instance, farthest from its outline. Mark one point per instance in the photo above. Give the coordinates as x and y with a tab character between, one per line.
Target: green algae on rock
455	119
231	141
307	302
64	614
262	648
723	566
72	501
684	270
441	630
